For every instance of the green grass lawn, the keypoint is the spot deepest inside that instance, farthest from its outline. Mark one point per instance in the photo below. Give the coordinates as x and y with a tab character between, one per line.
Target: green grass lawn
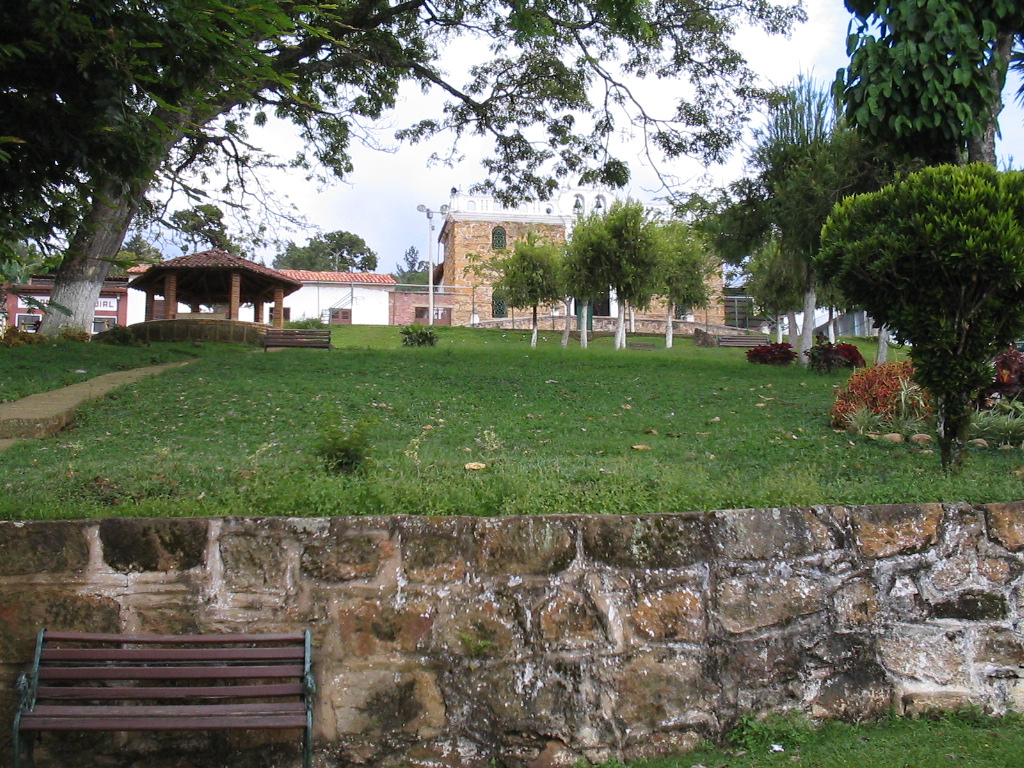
560	431
27	370
960	739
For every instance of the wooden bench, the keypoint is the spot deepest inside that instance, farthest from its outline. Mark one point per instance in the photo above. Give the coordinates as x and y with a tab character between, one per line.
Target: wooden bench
84	681
317	338
647	345
742	341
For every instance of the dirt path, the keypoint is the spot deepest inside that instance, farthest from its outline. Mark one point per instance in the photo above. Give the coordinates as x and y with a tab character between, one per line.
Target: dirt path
47	413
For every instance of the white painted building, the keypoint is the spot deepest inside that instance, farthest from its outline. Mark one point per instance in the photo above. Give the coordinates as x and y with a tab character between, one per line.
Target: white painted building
360	298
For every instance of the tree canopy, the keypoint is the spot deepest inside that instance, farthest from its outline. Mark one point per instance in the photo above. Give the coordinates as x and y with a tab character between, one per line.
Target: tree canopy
99	103
939	259
329	252
928	75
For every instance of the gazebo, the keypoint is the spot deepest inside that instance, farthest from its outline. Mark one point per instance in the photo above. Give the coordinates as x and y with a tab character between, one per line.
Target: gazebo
215	277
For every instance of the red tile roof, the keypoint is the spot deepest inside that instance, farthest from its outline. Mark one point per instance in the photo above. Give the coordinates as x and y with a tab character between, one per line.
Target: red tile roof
307	276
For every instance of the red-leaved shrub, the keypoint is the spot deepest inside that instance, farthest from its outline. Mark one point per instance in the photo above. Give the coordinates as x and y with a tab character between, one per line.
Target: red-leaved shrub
886	390
772	354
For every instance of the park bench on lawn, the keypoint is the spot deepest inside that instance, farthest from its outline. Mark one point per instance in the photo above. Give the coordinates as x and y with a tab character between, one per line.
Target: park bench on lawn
83	681
316	338
742	341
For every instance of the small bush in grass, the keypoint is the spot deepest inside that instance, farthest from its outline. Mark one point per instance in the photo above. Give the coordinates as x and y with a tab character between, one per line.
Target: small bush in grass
418	336
308	323
772	354
344	448
886	390
825	357
788	730
15	337
119	335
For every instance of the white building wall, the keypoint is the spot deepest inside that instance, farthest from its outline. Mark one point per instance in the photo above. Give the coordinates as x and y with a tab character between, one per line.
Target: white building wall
369	304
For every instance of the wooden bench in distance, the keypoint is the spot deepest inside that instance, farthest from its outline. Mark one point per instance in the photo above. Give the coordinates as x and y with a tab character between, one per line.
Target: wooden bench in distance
84	681
742	341
316	338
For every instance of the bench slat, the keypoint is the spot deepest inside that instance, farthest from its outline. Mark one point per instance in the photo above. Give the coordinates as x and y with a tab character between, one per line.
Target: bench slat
137	693
69	711
105	637
169	673
171	654
31	723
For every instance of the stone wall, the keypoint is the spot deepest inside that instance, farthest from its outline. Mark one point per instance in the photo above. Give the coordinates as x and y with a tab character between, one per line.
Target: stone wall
536	641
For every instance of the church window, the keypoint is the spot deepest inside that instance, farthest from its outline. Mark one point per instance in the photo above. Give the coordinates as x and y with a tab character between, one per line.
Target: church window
498	238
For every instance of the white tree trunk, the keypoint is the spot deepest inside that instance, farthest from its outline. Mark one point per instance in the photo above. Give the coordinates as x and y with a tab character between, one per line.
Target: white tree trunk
533	336
632	320
87	261
794	334
568	321
882	355
807	334
620	327
583	324
668	326
778	330
831	325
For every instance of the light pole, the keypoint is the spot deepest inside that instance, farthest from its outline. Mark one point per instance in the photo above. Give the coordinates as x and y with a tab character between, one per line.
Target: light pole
430	256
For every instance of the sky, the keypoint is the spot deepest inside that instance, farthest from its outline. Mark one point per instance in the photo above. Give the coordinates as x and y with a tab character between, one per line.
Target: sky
378	201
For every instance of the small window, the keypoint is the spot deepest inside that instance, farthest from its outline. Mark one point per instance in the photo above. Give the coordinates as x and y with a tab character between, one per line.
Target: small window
681	312
498	238
28	322
101	324
498	307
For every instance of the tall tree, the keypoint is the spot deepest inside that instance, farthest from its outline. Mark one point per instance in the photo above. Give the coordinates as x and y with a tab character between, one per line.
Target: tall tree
552	95
531	275
617	250
329	252
686	265
939	259
928	75
806	159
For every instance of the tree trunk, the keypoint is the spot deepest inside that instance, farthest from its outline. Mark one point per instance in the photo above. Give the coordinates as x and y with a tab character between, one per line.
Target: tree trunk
533	336
583	324
807	334
953	418
86	263
831	325
882	355
668	326
568	323
982	148
794	335
620	327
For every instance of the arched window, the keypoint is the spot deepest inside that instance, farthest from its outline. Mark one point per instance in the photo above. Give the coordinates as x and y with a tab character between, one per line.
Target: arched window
498	238
498	307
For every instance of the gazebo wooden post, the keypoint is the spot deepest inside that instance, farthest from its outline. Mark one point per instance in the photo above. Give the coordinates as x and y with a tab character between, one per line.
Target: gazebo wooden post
171	296
278	307
235	301
150	304
257	311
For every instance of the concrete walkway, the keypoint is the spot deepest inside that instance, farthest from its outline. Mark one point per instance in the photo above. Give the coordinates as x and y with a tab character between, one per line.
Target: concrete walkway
47	413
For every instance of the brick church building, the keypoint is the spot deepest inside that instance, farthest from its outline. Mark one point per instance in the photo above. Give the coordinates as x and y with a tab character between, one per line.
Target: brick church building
475	228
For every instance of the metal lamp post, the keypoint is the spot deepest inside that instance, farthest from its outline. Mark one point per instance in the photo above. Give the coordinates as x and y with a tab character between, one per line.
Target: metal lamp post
430	255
